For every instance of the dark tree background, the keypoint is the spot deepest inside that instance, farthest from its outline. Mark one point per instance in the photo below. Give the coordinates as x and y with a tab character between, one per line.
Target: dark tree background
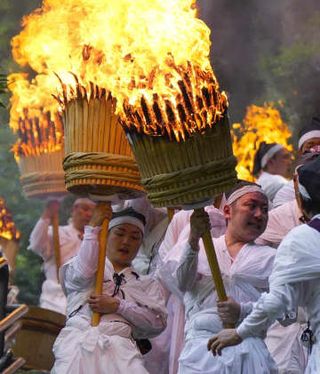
261	51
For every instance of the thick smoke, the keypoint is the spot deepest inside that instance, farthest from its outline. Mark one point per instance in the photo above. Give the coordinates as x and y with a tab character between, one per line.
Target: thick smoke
267	51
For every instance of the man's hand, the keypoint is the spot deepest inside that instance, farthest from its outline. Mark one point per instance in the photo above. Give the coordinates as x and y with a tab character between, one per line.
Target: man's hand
225	338
229	311
51	210
101	211
104	304
199	224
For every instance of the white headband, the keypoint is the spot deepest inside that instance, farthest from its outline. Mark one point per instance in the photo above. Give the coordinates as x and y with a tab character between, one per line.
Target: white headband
242	191
307	136
272	151
126	219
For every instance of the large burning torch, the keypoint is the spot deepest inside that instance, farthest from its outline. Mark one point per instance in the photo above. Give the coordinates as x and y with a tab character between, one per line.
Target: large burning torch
35	118
98	160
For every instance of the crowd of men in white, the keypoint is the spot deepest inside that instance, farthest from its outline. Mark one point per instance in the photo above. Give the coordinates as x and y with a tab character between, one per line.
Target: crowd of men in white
160	310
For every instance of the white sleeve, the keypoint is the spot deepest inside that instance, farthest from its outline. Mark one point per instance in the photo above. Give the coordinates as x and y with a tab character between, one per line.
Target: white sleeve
80	270
179	221
40	240
144	319
280	303
186	272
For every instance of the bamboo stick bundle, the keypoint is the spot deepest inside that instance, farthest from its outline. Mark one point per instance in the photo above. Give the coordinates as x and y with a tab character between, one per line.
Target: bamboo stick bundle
97	160
183	147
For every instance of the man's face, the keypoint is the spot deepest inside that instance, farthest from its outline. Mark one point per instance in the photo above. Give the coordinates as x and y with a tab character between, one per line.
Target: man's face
248	216
123	244
281	163
81	214
307	145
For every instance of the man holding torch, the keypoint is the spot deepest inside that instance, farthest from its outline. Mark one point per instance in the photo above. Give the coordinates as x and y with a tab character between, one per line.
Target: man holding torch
131	306
294	280
70	236
245	269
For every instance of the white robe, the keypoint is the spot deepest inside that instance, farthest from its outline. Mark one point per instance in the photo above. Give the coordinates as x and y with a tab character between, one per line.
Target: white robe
285	194
41	242
169	253
284	344
271	183
295	281
244	279
109	347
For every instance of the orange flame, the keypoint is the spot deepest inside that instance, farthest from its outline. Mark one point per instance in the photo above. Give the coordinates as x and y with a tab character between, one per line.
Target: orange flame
153	52
8	229
34	116
261	123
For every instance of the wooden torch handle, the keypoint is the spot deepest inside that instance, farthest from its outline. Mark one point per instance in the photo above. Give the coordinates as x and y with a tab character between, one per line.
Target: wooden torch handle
170	212
56	242
103	237
214	267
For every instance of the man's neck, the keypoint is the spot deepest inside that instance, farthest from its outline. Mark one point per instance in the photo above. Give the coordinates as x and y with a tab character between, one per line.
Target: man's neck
78	227
234	244
118	268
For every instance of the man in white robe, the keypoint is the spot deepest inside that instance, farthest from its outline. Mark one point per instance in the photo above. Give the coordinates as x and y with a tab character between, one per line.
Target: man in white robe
295	278
169	254
70	236
272	167
245	269
131	306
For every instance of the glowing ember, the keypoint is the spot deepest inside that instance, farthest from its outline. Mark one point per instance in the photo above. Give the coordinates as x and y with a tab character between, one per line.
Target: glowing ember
152	56
8	229
260	124
196	105
34	116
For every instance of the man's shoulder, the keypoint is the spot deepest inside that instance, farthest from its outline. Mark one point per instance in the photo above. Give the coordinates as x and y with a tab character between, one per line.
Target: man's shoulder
264	250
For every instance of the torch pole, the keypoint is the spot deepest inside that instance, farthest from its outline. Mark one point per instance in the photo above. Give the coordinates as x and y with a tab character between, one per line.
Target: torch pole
103	237
214	266
170	212
56	241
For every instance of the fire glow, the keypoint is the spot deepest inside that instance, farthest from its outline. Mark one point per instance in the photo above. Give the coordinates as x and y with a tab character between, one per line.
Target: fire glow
151	55
8	228
261	123
34	117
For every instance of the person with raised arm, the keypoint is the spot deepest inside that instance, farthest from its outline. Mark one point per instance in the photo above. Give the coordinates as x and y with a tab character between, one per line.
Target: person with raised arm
70	237
131	306
245	269
294	281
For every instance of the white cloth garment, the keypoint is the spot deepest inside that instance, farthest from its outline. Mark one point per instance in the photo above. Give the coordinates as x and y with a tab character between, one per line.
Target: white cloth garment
81	348
281	221
41	242
271	183
146	259
169	253
284	344
294	282
157	360
285	194
244	278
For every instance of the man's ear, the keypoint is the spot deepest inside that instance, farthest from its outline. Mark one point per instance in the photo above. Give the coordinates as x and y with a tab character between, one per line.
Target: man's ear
227	211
